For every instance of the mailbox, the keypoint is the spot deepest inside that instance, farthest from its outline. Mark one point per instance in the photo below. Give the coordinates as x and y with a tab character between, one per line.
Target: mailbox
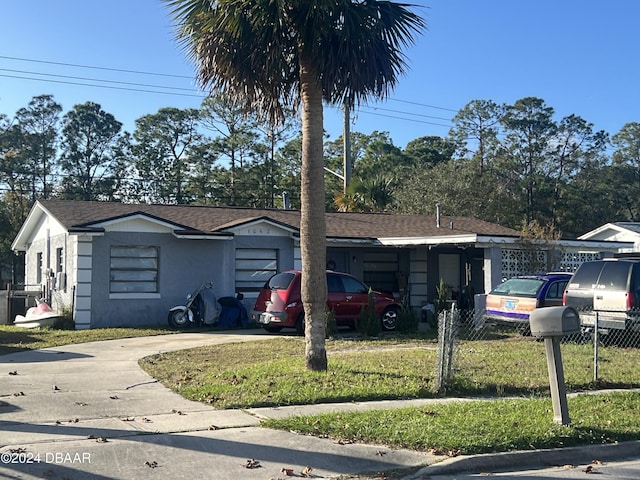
554	321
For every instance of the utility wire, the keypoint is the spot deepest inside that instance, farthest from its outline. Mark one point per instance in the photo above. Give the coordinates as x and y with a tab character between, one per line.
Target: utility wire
26	72
138	72
104	86
95	68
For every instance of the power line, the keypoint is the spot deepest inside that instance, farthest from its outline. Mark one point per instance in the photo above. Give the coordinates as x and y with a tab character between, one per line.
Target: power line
104	86
406	119
405	113
138	72
95	67
424	105
95	79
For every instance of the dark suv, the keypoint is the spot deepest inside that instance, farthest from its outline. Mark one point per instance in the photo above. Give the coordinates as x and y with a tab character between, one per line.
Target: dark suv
609	288
279	303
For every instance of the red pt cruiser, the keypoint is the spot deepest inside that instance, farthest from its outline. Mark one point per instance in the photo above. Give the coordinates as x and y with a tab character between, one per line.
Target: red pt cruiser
279	304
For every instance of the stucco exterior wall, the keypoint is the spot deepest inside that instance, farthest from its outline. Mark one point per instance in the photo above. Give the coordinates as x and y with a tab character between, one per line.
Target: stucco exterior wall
184	264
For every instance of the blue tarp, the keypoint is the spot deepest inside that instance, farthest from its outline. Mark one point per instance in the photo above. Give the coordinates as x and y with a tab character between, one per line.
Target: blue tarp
233	313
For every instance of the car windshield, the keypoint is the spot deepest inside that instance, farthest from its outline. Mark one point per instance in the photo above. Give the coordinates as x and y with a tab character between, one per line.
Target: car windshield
525	287
280	281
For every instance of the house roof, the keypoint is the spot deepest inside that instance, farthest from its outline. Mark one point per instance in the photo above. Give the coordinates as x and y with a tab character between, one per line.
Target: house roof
189	221
610	230
85	216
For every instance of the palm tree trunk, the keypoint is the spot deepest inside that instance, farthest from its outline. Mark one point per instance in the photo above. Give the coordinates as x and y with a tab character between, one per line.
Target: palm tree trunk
312	221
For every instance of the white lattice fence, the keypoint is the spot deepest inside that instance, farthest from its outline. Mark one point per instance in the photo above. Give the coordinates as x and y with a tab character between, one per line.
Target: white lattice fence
525	262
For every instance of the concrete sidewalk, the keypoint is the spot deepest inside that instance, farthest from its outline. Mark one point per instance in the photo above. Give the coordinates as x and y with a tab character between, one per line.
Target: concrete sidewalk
89	411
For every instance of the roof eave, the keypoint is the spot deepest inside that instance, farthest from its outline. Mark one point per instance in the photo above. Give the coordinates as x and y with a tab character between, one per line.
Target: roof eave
197	235
433	240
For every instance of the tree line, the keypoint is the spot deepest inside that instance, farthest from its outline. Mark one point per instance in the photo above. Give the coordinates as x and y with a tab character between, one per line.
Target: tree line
513	164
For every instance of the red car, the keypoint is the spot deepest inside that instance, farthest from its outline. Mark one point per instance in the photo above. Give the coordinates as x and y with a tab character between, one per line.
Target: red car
279	303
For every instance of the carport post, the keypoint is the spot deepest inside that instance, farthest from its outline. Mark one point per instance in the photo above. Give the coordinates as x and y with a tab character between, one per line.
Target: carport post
556	381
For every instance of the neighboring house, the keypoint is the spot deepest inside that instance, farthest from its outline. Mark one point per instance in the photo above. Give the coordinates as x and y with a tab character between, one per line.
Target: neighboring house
617	232
116	264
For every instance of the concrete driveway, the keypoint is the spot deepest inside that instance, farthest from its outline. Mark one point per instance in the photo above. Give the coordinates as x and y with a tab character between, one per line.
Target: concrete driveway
88	411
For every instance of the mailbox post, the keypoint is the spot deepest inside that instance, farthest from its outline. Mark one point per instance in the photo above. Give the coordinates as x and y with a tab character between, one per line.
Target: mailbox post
552	323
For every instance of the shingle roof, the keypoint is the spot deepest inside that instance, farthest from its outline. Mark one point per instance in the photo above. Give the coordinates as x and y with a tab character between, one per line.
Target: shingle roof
74	214
632	226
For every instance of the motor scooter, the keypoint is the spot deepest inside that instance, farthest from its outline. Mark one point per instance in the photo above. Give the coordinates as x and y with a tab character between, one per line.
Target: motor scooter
204	308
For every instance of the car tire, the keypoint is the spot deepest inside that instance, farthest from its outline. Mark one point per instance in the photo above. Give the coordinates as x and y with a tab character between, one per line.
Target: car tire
389	318
272	328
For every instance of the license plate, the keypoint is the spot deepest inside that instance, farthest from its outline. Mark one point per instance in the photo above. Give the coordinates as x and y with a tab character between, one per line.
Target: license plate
264	318
510	304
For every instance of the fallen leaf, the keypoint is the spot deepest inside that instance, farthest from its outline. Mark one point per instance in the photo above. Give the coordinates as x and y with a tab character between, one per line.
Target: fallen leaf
81	404
589	469
128	419
288	472
55	387
380	453
177	412
146	420
74	420
102	440
90	437
596	462
252	463
13	373
18	394
153	464
114	397
306	471
213	427
18	450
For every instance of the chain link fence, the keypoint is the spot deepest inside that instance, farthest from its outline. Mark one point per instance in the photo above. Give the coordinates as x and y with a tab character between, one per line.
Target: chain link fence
473	348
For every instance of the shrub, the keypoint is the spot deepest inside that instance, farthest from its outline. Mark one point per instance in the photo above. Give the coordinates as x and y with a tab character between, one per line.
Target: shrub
407	321
369	322
331	327
65	322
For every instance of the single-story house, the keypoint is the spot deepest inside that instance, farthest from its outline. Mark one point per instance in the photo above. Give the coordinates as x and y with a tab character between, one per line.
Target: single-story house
617	232
116	264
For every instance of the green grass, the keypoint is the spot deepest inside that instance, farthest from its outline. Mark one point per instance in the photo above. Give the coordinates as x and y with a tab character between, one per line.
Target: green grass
272	373
481	426
15	339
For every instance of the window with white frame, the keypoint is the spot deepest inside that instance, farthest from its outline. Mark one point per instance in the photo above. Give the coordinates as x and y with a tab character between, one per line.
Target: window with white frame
134	269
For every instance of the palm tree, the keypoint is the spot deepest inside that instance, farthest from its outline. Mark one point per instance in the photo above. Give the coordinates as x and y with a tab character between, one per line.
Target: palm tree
272	54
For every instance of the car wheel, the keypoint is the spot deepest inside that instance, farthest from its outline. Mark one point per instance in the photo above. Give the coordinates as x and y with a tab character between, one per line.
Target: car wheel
389	318
300	324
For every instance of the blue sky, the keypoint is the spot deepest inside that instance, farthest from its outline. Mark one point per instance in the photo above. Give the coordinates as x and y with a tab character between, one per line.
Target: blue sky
580	56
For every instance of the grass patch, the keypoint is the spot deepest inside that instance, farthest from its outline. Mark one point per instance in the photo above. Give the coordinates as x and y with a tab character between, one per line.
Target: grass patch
481	426
272	372
16	339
